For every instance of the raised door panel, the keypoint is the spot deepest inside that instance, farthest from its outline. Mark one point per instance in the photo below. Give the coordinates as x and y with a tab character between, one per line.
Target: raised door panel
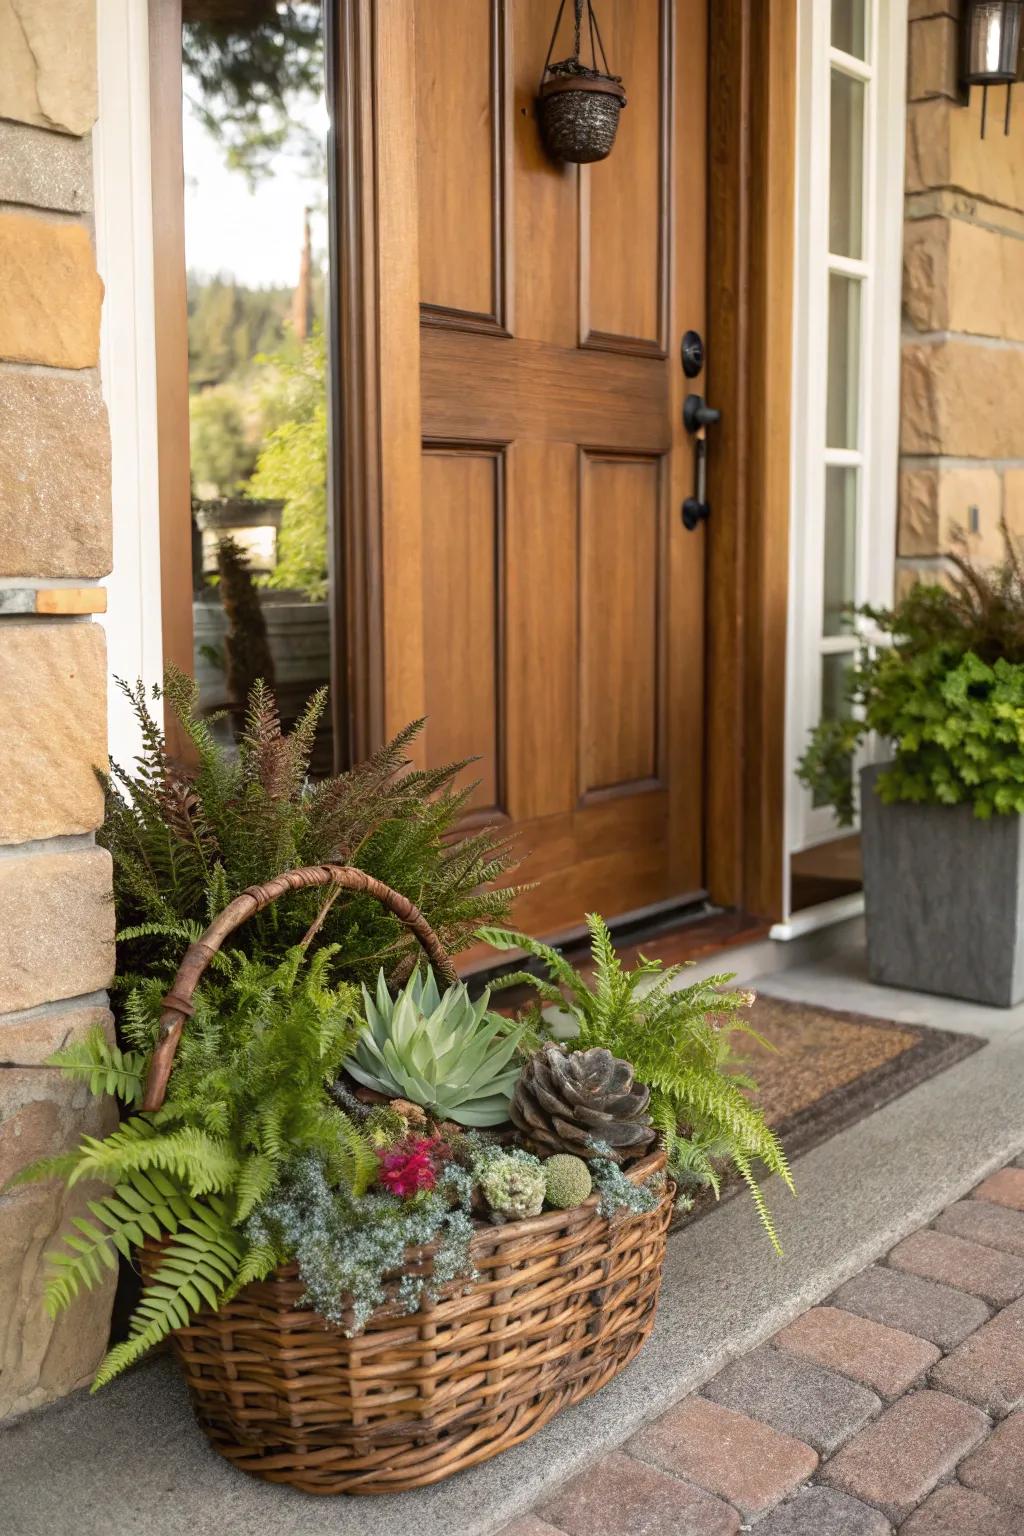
463	562
625	199
461	112
619	612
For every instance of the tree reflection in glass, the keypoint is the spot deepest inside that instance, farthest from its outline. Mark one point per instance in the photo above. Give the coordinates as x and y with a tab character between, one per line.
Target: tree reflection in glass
255	131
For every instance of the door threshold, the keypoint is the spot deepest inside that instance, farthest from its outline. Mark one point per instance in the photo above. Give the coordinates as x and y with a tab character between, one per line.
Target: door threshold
686	934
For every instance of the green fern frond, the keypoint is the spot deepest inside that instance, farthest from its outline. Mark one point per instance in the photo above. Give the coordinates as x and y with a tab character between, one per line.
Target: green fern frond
197	1267
105	1067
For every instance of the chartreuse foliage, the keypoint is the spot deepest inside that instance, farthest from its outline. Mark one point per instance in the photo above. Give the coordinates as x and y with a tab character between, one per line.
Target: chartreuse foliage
443	1052
946	687
679	1041
185	842
248	1096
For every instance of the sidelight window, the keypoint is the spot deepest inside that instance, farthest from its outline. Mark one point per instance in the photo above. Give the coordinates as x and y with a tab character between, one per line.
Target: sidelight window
846	377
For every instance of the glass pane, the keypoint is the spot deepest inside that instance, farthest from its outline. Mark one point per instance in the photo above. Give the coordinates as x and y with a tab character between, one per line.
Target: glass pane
843	361
849	27
846	166
840	549
256	230
834	703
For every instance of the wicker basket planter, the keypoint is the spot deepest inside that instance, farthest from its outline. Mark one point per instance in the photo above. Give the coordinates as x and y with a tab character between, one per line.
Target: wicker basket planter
562	1303
558	1305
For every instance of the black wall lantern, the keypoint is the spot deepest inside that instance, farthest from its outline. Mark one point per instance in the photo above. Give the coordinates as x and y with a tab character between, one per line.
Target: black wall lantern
991	48
579	105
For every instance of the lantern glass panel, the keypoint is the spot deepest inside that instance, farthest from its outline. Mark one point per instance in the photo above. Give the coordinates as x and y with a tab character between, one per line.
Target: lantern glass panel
993	41
850	27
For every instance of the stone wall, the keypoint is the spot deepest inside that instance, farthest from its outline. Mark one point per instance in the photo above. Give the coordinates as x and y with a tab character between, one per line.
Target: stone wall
56	918
962	432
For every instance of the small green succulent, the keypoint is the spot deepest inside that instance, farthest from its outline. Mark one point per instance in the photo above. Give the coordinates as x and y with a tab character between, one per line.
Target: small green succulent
513	1184
568	1181
443	1052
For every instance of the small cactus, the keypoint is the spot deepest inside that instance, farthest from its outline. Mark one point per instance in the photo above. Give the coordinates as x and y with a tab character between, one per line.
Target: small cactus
513	1185
567	1181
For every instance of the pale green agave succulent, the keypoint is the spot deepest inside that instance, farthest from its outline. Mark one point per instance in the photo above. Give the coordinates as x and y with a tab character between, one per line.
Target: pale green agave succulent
443	1052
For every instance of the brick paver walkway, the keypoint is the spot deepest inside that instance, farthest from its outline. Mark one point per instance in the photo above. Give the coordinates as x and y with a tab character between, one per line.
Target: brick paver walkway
898	1405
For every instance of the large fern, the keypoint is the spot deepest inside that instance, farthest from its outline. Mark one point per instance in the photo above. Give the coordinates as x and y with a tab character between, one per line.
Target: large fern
249	1095
186	840
679	1040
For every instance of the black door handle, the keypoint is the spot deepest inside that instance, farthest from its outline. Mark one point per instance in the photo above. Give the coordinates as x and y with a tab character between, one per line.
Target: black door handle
697	413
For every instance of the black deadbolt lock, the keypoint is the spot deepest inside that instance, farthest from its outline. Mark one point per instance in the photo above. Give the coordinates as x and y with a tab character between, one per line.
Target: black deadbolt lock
692	352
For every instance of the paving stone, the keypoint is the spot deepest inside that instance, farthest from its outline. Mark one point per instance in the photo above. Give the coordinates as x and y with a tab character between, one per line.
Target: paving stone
967	1266
923	1307
988	1368
997	1467
897	1460
886	1359
983	1222
621	1496
795	1397
1003	1188
530	1526
819	1511
746	1462
956	1511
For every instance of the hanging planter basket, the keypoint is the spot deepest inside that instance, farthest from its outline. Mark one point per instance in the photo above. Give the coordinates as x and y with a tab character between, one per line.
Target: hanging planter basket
579	105
558	1305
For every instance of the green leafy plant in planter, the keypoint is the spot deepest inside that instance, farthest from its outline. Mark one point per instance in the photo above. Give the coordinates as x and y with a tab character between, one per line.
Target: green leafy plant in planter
944	684
185	840
677	1041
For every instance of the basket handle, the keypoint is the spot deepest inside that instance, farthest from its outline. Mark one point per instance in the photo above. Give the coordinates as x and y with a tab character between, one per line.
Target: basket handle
178	1002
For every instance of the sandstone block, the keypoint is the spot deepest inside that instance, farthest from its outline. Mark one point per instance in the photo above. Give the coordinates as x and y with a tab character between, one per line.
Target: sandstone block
54	476
44	170
27	1039
945	149
49	54
937	505
39	1359
53	688
52	292
926	273
56	927
932	58
1013	499
961	398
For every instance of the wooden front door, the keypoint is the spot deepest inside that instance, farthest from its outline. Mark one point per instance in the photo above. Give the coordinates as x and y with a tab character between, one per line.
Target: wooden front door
542	603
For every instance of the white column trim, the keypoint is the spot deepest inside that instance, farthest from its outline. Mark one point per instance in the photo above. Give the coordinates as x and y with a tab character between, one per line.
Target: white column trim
124	251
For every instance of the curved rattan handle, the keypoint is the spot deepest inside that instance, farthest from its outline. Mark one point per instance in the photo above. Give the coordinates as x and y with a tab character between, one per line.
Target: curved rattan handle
178	1002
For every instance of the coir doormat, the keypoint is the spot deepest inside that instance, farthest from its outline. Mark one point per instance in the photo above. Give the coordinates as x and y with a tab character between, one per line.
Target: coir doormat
830	1069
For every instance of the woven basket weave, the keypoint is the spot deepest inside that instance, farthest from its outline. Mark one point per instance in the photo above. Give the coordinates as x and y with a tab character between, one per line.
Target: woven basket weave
559	1305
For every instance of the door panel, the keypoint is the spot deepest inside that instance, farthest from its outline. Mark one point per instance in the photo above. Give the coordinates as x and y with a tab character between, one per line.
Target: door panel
553	603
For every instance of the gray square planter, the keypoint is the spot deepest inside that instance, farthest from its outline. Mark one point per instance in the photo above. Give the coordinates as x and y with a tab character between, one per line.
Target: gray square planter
943	898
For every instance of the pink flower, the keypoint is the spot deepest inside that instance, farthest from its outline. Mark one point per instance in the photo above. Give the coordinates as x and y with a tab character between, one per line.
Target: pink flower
410	1165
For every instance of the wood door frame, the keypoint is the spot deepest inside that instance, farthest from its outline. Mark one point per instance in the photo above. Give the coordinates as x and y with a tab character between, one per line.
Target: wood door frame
751	163
751	150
